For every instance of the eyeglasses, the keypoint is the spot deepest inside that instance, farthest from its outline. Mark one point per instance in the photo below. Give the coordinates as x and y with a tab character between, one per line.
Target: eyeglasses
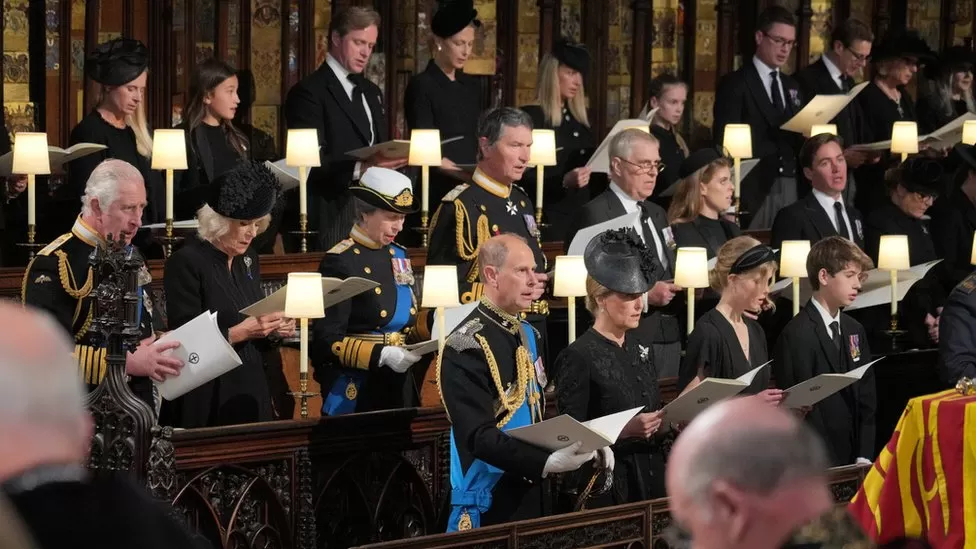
925	197
780	41
646	167
857	56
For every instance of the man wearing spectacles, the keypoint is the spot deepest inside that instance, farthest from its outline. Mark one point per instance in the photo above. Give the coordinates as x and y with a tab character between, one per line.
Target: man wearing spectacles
635	162
834	73
760	95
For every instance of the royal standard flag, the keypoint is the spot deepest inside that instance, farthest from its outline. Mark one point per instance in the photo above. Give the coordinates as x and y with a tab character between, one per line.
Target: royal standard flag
923	484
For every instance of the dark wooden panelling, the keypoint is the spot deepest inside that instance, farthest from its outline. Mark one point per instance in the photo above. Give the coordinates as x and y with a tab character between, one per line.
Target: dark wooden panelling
803	15
640	59
594	35
548	25
947	23
726	37
507	42
92	20
161	66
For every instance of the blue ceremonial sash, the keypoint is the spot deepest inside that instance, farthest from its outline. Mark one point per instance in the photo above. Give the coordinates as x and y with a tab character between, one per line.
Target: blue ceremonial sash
350	380
471	491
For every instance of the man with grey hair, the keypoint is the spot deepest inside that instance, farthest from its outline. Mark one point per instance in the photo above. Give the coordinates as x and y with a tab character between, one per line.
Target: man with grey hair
46	434
744	475
635	162
496	478
60	280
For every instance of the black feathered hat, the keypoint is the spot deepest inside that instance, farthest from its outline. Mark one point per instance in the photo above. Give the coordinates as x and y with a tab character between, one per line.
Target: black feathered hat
387	189
572	54
902	43
247	191
621	262
922	175
452	16
117	62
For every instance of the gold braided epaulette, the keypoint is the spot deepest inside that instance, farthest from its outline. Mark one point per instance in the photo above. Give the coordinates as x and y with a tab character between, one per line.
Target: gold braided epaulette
68	278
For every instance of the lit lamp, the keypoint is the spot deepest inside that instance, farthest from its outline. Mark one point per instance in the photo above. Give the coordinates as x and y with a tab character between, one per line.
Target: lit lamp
440	291
793	264
818	129
169	153
570	282
893	257
972	255
302	151
691	272
969	132
543	153
738	143
304	299
904	139
31	158
425	151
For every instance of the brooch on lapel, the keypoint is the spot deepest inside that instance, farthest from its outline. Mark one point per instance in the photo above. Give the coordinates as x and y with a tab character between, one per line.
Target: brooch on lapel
247	266
795	97
855	347
669	237
860	231
644	352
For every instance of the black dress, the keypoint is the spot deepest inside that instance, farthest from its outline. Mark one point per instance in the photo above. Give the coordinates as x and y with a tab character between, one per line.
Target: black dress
705	232
714	350
879	113
208	155
597	377
953	224
931	116
575	144
197	279
672	155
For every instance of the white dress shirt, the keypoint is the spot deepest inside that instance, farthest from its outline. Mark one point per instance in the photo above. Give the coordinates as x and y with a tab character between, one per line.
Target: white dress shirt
343	75
630	205
834	72
767	79
825	316
827	203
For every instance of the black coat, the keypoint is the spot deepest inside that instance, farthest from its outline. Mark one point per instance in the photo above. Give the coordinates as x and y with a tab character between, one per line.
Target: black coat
957	333
953	224
845	419
714	351
597	377
815	79
672	155
204	160
197	280
878	113
742	98
805	219
703	232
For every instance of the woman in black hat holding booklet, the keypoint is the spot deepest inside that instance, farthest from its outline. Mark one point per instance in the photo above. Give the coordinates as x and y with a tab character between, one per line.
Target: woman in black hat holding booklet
606	371
219	272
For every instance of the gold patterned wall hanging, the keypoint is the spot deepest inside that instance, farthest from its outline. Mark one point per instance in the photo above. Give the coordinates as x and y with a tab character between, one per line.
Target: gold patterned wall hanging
667	36
323	17
528	52
18	110
964	21
570	14
706	48
821	25
205	14
926	18
863	11
482	59
620	39
266	59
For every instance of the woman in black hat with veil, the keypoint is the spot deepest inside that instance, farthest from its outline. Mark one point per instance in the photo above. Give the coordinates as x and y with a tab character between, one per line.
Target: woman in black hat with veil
606	371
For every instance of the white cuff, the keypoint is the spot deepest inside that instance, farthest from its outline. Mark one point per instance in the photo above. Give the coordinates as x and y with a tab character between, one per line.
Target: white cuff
357	170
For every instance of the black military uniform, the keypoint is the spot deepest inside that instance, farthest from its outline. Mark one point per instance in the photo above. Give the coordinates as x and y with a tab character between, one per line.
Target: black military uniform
470	215
348	341
59	280
492	350
575	144
957	332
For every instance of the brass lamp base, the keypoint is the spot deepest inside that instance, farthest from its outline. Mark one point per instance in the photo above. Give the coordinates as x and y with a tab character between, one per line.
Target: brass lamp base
30	244
303	393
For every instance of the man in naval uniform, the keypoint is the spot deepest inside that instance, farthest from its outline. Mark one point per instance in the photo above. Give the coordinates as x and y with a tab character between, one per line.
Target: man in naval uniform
489	383
471	214
358	347
60	279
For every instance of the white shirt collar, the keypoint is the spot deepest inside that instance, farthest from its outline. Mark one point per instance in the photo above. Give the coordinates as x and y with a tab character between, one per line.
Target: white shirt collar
629	203
824	315
832	68
342	73
763	68
827	202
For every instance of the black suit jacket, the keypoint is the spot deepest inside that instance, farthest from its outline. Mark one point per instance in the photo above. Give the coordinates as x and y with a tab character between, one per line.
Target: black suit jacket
815	79
845	419
805	219
741	98
319	101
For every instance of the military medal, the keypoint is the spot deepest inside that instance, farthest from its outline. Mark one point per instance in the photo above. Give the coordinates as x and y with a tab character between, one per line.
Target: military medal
144	278
351	391
540	373
855	347
531	225
511	208
402	271
464	522
669	238
860	231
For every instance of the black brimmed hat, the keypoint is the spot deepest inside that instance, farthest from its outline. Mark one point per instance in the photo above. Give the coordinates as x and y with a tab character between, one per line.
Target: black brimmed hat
452	16
117	61
621	262
698	160
386	189
921	175
572	54
952	59
902	43
247	191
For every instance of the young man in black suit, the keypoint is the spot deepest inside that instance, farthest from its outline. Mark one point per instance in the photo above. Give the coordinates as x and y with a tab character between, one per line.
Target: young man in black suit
823	212
834	74
635	162
347	111
760	95
822	340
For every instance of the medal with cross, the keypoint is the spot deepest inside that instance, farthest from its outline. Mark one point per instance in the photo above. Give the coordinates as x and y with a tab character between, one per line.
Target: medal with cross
511	208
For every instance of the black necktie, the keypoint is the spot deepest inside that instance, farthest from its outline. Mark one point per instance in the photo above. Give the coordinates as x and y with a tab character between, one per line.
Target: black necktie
835	334
775	91
841	226
845	84
358	108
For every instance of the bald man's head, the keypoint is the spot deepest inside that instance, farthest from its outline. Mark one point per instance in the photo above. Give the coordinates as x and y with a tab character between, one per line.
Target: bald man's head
507	271
744	467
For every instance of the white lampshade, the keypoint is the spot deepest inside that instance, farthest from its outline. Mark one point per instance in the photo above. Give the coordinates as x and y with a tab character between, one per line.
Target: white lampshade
304	297
570	276
904	138
302	148
818	129
31	155
691	268
543	151
972	256
440	286
969	132
425	148
169	150
738	140
893	252
793	258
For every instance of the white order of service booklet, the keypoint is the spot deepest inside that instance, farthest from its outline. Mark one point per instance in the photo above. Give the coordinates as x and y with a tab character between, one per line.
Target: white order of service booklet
708	392
815	389
205	353
562	431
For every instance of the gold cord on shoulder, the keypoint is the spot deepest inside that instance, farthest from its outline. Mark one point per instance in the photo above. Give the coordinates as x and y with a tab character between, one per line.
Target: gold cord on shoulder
524	373
67	278
467	247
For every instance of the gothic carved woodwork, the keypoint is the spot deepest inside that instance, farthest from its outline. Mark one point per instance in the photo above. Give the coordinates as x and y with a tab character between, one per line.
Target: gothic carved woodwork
726	37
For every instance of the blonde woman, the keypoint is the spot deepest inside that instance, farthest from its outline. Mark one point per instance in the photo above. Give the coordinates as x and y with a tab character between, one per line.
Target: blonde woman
561	106
120	70
726	343
703	195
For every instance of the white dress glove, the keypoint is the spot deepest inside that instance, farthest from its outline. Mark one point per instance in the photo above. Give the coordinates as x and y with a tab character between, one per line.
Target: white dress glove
606	456
397	359
863	461
566	460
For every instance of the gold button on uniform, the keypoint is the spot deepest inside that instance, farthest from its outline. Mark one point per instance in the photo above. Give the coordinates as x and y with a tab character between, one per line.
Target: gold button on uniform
483	208
494	228
522	203
367	270
383	314
413	311
378	290
355	251
392	252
